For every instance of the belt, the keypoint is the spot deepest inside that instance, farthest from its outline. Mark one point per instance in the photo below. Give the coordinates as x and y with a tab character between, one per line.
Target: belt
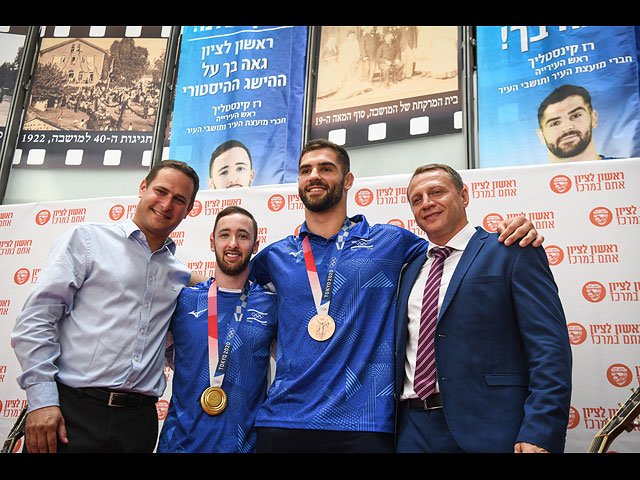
430	403
114	398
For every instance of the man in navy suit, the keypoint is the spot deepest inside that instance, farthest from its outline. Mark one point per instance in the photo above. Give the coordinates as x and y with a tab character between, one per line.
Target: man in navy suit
502	352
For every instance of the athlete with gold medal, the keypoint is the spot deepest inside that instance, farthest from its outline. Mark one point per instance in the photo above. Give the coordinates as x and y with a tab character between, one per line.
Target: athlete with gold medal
213	400
218	386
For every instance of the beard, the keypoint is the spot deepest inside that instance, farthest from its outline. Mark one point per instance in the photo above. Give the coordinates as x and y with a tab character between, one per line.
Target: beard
333	196
570	150
231	269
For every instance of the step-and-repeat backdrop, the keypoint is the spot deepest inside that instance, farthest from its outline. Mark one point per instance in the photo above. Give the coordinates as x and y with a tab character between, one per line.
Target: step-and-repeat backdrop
588	212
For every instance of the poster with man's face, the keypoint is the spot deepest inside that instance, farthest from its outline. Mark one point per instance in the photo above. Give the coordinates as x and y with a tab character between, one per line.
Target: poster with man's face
553	94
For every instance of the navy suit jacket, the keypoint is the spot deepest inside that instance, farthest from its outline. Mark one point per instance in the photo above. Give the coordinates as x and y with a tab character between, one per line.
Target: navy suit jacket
502	349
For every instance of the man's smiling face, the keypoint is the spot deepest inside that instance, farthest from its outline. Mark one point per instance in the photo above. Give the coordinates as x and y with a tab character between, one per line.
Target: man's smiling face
438	207
164	203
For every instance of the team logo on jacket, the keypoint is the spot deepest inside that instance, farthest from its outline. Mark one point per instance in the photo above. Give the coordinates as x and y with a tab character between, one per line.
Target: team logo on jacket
257	315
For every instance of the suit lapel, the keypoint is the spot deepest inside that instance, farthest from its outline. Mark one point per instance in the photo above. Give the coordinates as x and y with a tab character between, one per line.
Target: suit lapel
411	271
409	275
473	247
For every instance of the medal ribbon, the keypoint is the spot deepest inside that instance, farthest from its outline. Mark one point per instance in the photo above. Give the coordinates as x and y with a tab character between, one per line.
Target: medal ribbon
322	298
218	366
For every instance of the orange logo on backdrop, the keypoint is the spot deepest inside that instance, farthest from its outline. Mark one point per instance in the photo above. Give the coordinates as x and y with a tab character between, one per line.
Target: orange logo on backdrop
577	333
490	222
364	197
574	418
600	216
116	212
619	375
560	184
197	208
276	202
555	255
42	217
21	276
162	407
594	291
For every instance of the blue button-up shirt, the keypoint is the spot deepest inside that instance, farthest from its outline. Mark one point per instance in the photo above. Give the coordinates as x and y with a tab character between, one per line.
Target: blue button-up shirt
99	314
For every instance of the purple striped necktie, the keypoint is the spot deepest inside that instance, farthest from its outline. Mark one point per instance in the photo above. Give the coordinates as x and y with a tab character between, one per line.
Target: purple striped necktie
424	383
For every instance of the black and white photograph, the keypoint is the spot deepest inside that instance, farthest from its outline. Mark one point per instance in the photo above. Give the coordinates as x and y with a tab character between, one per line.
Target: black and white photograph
108	84
379	84
11	46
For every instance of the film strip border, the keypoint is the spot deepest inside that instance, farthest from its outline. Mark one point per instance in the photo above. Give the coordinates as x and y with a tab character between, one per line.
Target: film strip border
15	30
106	31
387	122
43	146
84	149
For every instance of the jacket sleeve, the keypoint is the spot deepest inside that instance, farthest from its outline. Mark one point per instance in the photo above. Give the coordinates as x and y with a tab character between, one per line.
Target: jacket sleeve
543	328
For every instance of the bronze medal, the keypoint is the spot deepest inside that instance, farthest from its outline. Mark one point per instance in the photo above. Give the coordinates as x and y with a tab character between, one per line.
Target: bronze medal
213	400
321	327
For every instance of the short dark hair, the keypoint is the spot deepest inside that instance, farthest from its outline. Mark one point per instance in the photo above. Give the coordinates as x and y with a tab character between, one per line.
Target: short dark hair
561	93
318	144
236	209
228	145
454	176
178	165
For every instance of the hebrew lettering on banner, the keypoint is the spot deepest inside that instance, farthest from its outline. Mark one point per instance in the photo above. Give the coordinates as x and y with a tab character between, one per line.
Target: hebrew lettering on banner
589	213
243	85
557	93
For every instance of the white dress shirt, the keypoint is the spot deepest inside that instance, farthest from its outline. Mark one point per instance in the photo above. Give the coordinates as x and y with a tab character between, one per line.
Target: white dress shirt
458	243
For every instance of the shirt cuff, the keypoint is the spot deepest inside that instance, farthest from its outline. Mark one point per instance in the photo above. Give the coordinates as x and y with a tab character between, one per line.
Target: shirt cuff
42	395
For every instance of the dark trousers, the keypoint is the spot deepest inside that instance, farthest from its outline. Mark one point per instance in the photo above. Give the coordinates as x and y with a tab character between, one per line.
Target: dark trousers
285	440
424	431
93	426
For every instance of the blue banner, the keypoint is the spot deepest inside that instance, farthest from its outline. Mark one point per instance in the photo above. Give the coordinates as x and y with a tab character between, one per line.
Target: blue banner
239	102
525	118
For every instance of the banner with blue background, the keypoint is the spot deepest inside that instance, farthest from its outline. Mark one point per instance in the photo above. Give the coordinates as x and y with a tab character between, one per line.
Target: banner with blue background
519	66
242	84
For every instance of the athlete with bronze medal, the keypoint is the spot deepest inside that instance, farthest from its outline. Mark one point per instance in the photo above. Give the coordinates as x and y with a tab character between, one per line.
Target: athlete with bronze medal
322	326
214	399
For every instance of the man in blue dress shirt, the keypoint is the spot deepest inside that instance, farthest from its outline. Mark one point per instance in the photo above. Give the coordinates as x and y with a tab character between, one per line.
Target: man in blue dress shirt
91	335
245	331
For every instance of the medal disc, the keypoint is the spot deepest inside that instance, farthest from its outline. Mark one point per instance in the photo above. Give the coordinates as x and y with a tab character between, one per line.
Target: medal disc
213	400
321	327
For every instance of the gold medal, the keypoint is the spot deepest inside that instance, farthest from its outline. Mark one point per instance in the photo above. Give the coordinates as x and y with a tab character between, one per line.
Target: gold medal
213	400
321	327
